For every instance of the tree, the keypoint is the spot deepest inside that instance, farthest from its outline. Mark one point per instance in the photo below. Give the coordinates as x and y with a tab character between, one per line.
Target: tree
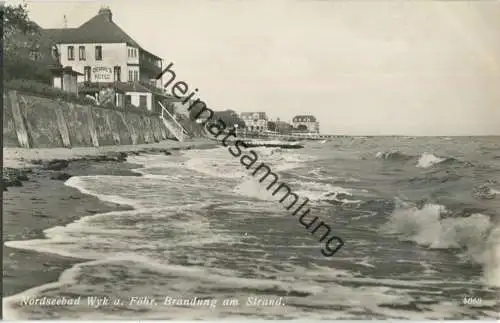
198	110
27	54
283	127
19	31
302	127
230	118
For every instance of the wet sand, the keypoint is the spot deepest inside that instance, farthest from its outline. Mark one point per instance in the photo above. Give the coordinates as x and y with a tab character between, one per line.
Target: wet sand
43	201
22	157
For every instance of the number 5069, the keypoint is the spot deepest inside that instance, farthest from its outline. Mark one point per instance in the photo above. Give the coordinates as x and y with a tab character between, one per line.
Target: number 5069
472	300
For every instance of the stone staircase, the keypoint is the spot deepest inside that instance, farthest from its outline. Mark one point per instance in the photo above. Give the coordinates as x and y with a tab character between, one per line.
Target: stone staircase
172	125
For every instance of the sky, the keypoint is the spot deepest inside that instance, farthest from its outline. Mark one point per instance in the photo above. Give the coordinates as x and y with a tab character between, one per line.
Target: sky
361	67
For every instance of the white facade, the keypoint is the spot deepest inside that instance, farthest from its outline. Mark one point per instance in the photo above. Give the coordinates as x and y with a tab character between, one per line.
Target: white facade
135	99
57	82
66	81
255	121
82	58
104	62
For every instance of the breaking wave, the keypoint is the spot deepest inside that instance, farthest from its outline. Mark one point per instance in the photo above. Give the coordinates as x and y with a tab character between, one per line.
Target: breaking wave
393	155
425	160
477	236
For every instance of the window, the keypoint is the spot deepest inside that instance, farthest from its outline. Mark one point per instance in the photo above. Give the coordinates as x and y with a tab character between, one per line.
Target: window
128	100
136	75
98	53
117	74
143	101
130	76
35	55
131	52
86	73
71	53
81	53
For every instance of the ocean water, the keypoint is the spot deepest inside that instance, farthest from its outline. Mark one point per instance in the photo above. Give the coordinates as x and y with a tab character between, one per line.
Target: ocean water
419	218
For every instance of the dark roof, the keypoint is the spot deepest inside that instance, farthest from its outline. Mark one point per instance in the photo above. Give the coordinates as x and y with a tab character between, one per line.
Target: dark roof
119	87
66	69
93	87
99	29
304	118
132	87
145	88
160	92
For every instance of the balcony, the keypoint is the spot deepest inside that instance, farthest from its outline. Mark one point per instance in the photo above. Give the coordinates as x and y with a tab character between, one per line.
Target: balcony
149	68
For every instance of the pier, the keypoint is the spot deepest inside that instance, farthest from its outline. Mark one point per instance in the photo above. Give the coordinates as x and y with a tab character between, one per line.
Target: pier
286	137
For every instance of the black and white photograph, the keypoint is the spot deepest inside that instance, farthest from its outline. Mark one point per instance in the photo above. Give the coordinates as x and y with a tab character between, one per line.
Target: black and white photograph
251	160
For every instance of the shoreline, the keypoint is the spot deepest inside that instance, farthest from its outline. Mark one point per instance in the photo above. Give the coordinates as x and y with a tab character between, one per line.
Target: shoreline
23	157
36	199
19	162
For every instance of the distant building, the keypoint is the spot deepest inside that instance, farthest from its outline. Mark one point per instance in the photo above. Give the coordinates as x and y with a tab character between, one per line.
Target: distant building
255	121
65	79
102	52
283	127
306	123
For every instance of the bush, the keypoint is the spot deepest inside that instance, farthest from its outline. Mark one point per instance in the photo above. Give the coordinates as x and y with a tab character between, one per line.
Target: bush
45	90
132	108
22	68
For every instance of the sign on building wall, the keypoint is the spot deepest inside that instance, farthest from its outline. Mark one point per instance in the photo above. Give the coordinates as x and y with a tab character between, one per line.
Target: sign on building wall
102	73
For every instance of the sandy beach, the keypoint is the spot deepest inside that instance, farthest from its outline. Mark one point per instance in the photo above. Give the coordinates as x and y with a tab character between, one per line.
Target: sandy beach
43	201
22	157
201	228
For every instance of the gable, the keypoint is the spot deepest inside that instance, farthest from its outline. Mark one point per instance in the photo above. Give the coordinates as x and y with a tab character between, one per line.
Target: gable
99	29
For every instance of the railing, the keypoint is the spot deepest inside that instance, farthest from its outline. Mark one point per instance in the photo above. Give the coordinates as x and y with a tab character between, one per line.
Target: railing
290	136
172	125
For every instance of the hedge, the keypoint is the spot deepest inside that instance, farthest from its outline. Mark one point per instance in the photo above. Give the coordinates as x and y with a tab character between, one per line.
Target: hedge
50	92
46	90
17	67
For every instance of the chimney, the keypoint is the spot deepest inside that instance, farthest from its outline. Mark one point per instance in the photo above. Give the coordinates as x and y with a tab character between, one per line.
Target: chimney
105	11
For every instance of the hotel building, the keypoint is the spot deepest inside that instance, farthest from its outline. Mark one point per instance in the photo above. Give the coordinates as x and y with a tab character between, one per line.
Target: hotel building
103	52
106	55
